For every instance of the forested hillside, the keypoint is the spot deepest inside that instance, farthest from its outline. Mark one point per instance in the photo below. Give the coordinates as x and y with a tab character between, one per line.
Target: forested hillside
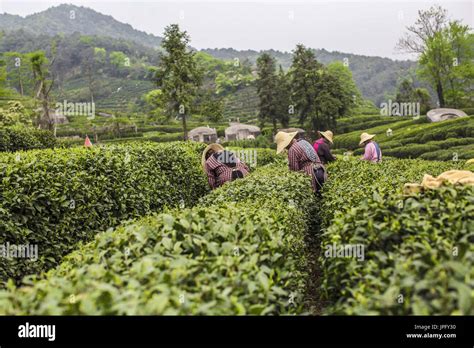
68	19
374	76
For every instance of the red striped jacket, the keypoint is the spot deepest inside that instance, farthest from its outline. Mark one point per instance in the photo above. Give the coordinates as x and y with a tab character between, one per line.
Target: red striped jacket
298	160
219	173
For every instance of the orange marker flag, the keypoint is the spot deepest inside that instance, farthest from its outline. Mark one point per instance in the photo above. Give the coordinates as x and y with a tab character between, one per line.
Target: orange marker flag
87	143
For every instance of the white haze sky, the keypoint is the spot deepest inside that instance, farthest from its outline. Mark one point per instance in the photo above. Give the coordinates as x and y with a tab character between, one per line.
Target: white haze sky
366	27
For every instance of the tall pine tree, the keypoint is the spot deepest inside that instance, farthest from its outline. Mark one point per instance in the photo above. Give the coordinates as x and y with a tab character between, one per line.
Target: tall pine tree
283	91
267	90
177	75
304	74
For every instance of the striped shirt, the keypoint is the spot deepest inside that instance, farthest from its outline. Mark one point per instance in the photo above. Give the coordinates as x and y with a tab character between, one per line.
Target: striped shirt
301	159
218	173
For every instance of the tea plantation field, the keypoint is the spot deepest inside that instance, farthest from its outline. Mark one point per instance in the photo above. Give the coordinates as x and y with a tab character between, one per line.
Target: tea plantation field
132	229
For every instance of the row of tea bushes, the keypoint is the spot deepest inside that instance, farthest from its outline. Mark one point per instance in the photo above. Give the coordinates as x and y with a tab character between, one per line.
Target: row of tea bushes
56	198
418	255
23	138
240	251
351	181
417	139
257	157
417	252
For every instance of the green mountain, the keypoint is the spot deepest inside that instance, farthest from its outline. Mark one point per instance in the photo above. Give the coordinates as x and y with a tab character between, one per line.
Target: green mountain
67	19
375	76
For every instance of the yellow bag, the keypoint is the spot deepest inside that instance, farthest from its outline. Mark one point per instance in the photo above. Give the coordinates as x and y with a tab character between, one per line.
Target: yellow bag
454	177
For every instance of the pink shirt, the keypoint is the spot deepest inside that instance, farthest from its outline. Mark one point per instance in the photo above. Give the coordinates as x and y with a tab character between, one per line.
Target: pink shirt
317	143
370	153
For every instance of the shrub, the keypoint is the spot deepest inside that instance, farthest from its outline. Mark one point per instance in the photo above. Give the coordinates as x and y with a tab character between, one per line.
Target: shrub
354	123
56	198
351	181
239	252
261	141
468	111
451	142
254	157
410	151
418	249
22	138
411	132
450	154
361	204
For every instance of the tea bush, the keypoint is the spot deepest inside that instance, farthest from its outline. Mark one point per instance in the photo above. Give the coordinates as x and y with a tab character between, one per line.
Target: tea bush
440	150
419	255
257	157
55	198
240	251
408	241
410	151
352	181
413	138
22	138
461	152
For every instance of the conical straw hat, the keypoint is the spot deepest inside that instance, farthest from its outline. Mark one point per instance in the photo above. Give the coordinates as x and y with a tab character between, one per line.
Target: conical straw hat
283	139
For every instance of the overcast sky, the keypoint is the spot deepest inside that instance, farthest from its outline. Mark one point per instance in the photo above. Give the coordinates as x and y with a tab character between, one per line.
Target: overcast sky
362	27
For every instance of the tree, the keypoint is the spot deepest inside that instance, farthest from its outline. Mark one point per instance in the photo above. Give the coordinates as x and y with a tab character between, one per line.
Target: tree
351	96
17	71
211	106
423	97
120	62
304	78
420	40
40	66
460	71
154	105
16	114
3	72
328	102
177	75
93	59
317	93
116	123
407	93
283	95
267	90
3	77
445	51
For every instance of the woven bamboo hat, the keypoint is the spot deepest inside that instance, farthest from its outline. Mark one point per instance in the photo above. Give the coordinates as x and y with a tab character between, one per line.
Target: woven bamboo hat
213	147
365	136
283	139
328	135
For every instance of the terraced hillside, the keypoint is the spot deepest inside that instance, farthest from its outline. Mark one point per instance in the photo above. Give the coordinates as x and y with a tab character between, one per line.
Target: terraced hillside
412	138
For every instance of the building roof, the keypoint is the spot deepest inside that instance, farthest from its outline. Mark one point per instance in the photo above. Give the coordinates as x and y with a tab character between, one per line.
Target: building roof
290	130
235	128
202	130
442	114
